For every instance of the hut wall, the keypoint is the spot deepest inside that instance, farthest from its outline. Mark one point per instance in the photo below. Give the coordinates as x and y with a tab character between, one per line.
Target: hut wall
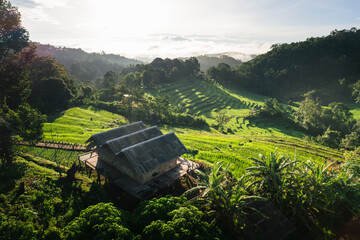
120	164
160	170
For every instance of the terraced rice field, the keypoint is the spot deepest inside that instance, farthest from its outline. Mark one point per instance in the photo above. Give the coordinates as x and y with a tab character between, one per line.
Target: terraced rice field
75	126
237	149
204	99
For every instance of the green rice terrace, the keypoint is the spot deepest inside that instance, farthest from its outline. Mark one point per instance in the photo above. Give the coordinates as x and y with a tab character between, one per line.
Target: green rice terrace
201	98
75	126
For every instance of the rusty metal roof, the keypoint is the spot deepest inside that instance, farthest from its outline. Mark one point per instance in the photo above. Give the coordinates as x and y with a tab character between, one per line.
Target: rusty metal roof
117	144
153	153
100	138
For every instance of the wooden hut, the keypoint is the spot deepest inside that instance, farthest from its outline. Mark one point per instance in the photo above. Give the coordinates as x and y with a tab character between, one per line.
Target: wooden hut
97	140
139	152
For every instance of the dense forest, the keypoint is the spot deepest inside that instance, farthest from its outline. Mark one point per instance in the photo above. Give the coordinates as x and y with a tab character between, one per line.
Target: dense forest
313	182
328	64
86	67
208	61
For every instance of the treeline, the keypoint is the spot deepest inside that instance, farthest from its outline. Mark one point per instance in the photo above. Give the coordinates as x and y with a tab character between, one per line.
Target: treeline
211	60
315	199
83	66
33	85
123	92
332	125
329	64
164	71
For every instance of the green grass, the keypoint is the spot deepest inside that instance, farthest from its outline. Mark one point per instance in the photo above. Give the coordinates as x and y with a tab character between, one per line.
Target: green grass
204	99
60	156
252	138
237	150
355	109
76	125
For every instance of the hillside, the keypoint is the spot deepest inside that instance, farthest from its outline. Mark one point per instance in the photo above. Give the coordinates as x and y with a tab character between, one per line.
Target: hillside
328	64
211	60
84	66
66	55
206	100
74	126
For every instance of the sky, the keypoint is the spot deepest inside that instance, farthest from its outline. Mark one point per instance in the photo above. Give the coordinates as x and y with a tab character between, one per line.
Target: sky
145	29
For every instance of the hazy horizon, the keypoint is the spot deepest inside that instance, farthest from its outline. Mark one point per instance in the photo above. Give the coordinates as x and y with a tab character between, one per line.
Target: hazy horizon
146	29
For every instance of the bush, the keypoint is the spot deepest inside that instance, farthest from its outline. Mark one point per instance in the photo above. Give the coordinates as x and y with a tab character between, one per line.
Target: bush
186	223
330	138
155	209
101	221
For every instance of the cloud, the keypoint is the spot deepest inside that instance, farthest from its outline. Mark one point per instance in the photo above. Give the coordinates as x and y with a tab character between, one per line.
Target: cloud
25	3
37	10
153	47
176	38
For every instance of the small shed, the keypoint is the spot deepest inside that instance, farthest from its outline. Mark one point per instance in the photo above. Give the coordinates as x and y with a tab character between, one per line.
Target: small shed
139	152
97	140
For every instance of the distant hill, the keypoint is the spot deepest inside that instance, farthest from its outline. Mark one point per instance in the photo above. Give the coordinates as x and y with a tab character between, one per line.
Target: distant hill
84	66
208	61
326	64
237	55
232	59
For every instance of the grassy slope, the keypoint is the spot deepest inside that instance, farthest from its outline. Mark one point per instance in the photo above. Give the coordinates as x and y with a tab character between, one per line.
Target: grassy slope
205	99
355	110
213	147
76	125
39	176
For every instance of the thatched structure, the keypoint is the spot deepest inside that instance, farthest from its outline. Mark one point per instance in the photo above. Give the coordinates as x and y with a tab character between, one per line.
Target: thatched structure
139	152
100	138
154	156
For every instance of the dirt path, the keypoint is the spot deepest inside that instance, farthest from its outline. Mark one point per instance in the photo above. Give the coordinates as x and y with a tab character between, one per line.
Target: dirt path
349	231
56	146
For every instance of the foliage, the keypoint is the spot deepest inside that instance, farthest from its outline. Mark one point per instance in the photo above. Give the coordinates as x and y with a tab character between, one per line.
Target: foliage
24	123
85	67
352	140
100	221
289	70
272	108
223	198
313	196
222	73
27	123
11	229
356	91
267	175
186	223
330	138
155	209
14	84
34	200
6	141
308	115
51	87
332	123
222	119
13	37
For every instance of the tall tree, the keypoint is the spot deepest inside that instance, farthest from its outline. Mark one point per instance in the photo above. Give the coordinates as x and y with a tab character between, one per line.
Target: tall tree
17	118
13	37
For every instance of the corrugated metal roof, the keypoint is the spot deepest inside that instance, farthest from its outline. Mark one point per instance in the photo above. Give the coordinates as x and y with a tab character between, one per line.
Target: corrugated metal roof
101	138
117	144
153	153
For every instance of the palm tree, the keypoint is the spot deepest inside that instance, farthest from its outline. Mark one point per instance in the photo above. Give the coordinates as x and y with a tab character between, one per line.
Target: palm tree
268	174
223	197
